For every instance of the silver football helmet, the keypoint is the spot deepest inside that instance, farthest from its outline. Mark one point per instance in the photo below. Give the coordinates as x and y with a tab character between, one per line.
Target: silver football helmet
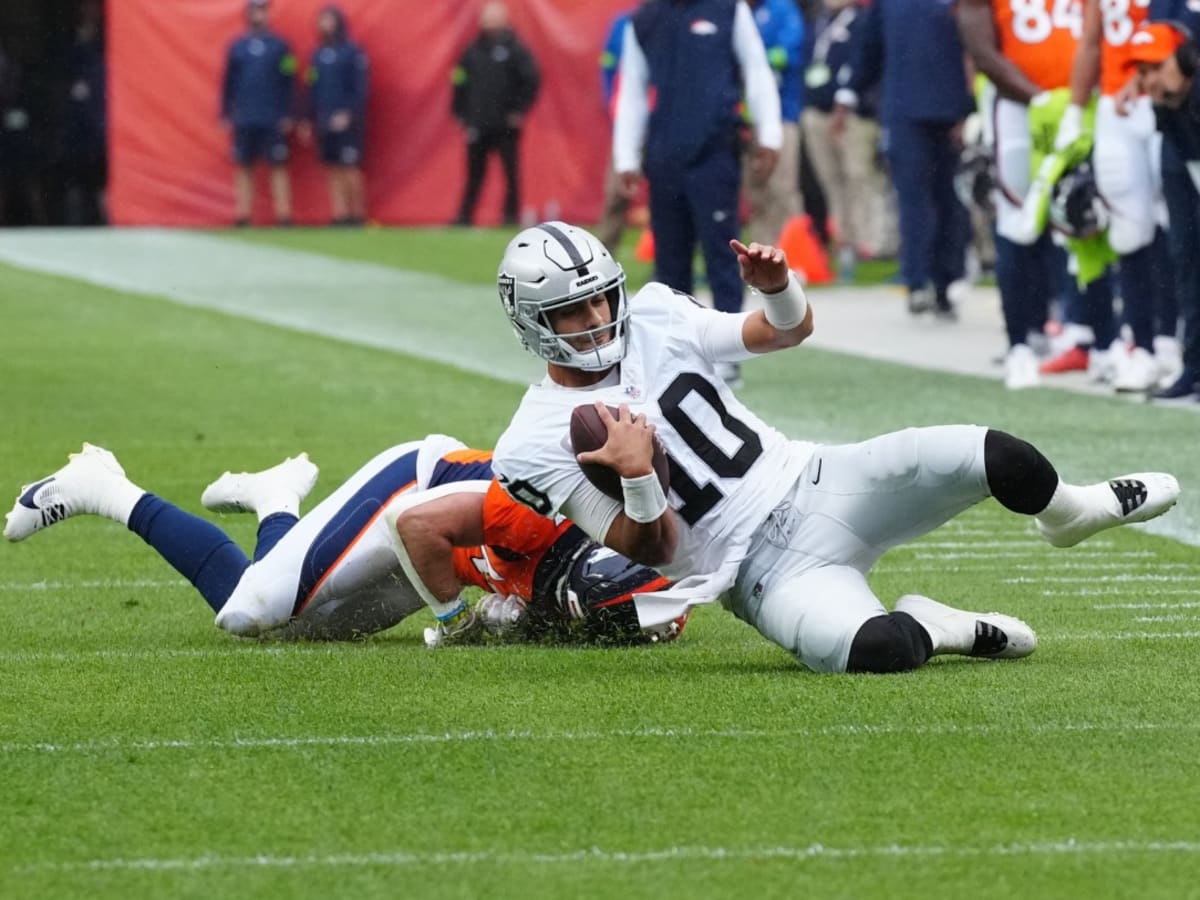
553	265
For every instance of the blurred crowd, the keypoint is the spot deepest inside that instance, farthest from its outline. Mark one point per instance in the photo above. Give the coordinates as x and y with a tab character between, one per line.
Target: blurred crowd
1054	143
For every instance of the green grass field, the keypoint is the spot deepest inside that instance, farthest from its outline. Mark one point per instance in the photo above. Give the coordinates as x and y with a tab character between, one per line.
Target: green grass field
145	754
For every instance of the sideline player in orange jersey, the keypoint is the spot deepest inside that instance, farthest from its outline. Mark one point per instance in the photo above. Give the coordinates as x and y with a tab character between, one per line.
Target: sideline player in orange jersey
1126	161
375	551
1025	47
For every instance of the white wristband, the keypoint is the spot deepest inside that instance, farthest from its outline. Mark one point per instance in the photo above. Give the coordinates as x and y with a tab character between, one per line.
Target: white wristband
787	308
644	498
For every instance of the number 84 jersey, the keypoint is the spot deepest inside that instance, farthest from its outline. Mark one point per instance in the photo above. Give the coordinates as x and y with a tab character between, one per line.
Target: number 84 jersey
729	469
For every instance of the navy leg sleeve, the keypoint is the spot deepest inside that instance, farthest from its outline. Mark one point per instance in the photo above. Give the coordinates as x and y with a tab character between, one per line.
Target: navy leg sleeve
198	550
270	530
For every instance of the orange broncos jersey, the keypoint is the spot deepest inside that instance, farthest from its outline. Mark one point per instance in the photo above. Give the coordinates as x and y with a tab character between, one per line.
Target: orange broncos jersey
1039	37
515	540
1119	20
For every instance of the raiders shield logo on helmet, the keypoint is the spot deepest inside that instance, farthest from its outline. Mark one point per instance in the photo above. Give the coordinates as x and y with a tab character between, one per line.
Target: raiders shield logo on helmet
508	293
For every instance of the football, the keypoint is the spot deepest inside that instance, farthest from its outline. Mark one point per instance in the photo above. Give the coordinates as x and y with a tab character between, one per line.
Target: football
588	432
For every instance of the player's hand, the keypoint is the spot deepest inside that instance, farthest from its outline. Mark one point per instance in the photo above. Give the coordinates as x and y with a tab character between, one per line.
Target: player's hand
514	120
762	164
1130	91
629	183
629	450
763	267
340	120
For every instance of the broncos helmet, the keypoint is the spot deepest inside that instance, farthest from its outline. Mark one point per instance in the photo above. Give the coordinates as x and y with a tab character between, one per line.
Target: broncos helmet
553	265
1076	207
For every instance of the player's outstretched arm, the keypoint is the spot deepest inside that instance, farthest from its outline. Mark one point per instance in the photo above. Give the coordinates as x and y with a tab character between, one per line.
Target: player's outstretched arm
786	318
428	534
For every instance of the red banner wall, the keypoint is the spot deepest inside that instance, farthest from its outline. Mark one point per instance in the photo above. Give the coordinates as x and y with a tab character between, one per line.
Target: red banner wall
170	159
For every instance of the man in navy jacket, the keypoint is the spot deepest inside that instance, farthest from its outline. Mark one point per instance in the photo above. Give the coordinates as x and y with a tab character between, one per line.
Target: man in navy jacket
337	80
913	49
256	102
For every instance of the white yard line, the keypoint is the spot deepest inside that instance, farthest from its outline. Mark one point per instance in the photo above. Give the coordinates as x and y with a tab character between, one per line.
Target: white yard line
1105	606
1016	554
1050	565
444	860
1112	592
286	651
650	733
90	584
1102	579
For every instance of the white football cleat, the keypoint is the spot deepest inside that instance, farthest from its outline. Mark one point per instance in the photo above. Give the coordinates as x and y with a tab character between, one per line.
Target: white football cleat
1120	501
989	635
86	484
1020	368
280	488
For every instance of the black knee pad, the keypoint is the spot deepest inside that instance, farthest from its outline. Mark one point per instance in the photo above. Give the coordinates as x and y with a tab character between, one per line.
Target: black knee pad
1019	477
891	643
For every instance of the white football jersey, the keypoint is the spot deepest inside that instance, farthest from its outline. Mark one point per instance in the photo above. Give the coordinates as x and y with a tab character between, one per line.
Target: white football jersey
729	469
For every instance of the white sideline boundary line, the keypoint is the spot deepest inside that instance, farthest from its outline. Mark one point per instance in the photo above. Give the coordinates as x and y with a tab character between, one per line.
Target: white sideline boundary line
681	853
304	742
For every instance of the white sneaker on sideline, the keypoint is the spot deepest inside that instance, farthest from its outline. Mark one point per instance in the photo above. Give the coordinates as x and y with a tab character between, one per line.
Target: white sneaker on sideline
86	484
254	491
990	635
1101	366
1136	372
1168	356
1020	368
1120	501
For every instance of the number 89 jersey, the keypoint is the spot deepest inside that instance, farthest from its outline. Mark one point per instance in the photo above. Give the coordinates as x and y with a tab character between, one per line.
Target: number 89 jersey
729	469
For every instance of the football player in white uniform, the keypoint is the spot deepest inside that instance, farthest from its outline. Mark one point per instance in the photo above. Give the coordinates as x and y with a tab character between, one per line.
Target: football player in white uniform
336	573
785	531
413	527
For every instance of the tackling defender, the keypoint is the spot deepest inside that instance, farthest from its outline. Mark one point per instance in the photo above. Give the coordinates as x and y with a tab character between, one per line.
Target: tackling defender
411	528
786	530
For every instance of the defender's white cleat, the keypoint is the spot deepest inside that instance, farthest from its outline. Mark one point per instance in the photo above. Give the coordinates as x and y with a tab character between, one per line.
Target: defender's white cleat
280	488
990	635
1121	501
92	481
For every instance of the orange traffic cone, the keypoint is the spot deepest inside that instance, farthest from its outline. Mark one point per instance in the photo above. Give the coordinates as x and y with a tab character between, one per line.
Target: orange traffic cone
644	251
804	251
